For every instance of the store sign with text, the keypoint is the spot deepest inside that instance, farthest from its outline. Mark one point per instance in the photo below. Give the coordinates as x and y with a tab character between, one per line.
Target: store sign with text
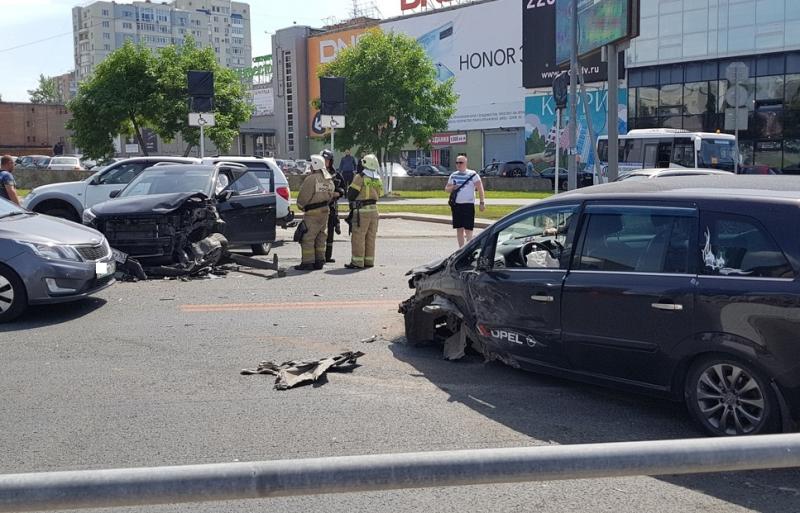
479	46
448	139
407	5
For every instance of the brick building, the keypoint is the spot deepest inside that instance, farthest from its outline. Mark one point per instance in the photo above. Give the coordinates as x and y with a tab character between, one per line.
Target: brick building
33	128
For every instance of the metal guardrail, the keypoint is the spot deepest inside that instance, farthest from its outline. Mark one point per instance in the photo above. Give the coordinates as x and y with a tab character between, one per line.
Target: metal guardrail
230	481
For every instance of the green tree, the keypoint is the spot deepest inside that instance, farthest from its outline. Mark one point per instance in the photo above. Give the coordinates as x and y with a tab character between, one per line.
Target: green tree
393	95
47	92
133	88
231	107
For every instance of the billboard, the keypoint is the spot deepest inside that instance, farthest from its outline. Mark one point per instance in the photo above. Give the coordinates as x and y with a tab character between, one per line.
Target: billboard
263	101
600	22
480	47
541	133
540	64
322	49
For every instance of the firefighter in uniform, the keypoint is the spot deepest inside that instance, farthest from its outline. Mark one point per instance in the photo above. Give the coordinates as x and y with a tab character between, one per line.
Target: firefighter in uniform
333	216
363	196
314	199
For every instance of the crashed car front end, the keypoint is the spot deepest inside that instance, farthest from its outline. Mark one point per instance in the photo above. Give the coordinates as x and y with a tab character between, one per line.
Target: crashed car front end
441	311
179	234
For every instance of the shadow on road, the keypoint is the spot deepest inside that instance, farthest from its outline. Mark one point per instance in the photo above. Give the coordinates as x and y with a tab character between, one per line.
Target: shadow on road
48	315
566	412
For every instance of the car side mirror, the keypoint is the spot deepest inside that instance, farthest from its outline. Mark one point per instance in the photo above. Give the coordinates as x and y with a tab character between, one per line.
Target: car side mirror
114	194
224	196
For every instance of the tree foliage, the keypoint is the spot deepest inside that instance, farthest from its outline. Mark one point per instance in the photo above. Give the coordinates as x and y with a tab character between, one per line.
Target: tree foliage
393	95
47	92
134	88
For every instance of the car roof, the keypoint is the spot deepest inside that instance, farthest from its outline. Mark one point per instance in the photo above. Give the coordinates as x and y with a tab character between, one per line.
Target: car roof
728	186
675	171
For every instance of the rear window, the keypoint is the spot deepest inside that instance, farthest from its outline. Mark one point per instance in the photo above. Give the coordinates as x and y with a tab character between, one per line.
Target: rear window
262	171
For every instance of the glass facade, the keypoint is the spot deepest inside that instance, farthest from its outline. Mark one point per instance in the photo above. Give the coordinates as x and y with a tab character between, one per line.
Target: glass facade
695	96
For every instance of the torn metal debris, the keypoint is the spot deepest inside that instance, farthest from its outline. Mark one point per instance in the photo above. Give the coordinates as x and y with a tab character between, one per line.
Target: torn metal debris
293	373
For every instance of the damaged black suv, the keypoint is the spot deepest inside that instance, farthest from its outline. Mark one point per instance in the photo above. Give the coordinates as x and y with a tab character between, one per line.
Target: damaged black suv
182	215
685	288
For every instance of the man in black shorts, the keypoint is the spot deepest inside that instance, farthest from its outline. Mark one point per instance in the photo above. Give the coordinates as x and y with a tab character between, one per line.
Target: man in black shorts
464	182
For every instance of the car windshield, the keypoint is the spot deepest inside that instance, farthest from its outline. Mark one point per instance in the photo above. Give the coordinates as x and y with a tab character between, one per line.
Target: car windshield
171	179
8	209
64	160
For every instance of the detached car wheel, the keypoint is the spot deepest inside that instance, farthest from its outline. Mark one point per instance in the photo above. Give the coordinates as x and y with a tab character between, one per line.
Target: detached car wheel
13	296
728	397
261	249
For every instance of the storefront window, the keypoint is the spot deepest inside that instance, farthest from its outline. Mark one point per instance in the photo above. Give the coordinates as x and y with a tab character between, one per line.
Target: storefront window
671	122
647	102
693	123
671	100
632	103
696	98
791	126
792	93
768	123
769	89
791	156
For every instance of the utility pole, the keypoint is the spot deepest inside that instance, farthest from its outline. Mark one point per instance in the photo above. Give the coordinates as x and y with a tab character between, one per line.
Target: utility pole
572	176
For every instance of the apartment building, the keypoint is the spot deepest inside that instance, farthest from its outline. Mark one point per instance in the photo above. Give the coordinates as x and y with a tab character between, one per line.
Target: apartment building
101	27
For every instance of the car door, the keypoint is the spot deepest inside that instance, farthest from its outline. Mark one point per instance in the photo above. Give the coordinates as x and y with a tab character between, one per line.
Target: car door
628	300
113	178
249	213
517	296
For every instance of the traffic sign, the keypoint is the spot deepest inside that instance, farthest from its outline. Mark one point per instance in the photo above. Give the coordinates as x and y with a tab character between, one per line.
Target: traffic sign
737	96
737	72
201	119
328	121
736	119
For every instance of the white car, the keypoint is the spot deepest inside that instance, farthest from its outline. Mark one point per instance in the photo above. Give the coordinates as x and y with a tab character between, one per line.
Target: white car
68	200
65	164
272	179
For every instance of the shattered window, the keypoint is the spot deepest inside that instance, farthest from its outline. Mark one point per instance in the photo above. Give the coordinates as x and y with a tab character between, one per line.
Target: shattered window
733	245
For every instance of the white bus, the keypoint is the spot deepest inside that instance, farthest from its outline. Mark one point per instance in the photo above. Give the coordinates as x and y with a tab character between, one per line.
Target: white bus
668	147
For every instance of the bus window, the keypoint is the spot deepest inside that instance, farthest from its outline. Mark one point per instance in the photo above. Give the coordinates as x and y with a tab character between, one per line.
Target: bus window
664	153
683	152
633	152
602	150
650	151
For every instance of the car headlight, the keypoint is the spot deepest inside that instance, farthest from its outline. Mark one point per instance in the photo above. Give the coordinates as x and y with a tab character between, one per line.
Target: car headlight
53	252
88	216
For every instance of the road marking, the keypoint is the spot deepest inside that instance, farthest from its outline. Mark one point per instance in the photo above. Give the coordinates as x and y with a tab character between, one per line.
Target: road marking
311	305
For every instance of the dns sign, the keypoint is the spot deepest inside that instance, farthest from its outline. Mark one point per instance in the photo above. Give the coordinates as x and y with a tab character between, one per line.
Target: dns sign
407	5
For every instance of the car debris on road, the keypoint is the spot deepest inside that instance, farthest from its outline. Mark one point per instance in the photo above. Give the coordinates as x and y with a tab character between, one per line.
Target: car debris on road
293	373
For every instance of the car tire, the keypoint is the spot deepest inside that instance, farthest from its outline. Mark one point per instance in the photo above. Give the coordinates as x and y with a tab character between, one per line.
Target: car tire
63	213
13	296
728	397
261	249
563	185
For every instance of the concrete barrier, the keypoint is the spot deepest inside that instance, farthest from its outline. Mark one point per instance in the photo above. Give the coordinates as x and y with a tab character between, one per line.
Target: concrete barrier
29	178
437	183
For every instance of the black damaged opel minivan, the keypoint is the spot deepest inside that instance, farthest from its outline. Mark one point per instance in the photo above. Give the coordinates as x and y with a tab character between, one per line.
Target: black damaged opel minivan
685	288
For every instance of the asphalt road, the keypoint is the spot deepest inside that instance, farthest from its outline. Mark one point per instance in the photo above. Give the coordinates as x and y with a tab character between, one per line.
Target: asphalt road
147	374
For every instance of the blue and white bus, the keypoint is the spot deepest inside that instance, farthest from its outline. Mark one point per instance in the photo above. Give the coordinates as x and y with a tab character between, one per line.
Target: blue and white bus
668	147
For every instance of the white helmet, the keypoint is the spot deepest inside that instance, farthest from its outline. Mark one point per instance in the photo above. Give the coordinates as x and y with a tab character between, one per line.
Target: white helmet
370	162
318	164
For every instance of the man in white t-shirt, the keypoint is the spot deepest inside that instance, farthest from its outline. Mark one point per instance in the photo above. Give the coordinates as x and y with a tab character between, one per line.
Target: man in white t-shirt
464	210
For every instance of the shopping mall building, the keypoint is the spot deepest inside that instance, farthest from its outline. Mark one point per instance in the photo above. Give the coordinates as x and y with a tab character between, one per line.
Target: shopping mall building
674	75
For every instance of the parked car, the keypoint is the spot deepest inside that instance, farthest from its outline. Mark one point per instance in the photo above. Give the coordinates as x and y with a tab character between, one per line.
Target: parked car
167	208
65	164
585	178
512	168
46	260
429	170
300	165
684	288
68	200
666	172
759	169
33	161
272	179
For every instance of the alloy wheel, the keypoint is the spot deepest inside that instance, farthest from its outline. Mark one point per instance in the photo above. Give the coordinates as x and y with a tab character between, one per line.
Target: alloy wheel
731	399
6	294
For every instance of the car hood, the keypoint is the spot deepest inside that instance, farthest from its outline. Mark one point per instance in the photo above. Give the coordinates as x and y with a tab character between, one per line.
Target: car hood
47	230
59	187
429	268
148	204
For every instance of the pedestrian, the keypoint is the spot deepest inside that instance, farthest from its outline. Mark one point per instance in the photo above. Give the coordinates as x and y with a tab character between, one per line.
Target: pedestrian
339	187
462	185
58	148
363	196
314	200
529	169
8	186
348	167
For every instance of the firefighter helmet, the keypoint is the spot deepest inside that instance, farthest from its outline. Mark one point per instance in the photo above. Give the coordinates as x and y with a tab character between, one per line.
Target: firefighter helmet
370	162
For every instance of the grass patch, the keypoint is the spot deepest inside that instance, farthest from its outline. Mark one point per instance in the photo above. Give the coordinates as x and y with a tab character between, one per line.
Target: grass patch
492	211
22	192
444	195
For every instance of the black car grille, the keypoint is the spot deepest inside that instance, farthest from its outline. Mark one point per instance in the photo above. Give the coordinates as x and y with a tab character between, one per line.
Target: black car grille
92	252
140	236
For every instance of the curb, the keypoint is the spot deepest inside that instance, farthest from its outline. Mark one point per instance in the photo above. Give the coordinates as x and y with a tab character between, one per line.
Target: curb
425	218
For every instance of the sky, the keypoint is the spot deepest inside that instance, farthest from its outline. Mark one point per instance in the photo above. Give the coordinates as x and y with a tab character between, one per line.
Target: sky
36	37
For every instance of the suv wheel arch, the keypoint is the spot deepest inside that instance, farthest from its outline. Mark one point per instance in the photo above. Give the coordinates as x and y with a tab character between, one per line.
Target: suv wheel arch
58	208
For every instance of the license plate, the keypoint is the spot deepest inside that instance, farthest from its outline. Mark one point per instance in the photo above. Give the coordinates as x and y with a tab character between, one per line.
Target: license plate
103	269
119	256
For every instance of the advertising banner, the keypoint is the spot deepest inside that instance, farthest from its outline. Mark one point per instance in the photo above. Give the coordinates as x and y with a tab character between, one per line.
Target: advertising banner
600	22
322	49
539	47
448	139
480	46
263	101
541	133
